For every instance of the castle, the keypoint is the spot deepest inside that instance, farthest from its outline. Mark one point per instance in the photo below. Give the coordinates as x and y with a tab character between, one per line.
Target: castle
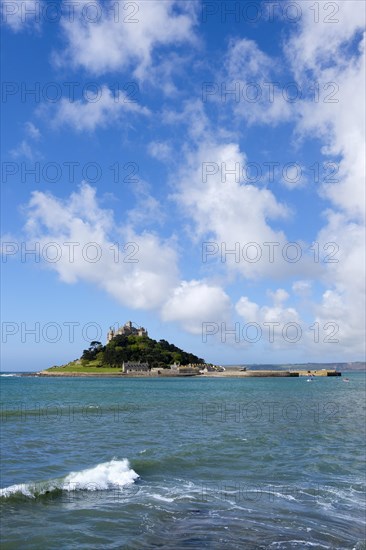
127	330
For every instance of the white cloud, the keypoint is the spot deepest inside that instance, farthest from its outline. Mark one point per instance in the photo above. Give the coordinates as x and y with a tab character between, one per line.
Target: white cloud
335	53
194	116
126	35
343	301
246	61
254	75
330	56
24	150
319	54
160	150
32	131
278	313
247	309
275	326
229	214
279	296
341	127
194	303
148	210
83	115
302	288
21	14
324	31
336	323
137	269
210	187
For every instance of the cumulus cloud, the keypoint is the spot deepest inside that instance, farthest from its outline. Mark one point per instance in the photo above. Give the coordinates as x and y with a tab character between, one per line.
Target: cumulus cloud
343	301
196	302
276	326
248	310
252	74
276	313
332	57
326	51
83	115
125	35
137	269
335	53
81	241
209	187
321	39
233	221
341	126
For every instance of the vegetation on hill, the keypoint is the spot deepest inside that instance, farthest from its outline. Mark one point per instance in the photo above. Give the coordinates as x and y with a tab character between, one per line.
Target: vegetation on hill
137	348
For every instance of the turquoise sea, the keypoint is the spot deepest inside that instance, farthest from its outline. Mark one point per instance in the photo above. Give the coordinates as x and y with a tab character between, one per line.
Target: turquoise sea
190	463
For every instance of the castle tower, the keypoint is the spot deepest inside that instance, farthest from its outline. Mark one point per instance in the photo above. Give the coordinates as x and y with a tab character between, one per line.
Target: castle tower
110	334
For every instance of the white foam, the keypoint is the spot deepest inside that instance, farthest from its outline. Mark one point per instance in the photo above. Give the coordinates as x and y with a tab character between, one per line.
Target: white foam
6	375
108	475
116	473
26	489
302	543
281	495
160	497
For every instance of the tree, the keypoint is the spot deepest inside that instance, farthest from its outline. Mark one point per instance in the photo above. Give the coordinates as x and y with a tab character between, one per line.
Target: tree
138	348
94	348
95	344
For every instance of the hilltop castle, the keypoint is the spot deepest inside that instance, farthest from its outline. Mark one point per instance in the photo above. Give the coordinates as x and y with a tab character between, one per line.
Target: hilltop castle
127	330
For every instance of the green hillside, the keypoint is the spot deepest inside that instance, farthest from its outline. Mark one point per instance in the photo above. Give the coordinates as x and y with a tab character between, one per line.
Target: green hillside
122	348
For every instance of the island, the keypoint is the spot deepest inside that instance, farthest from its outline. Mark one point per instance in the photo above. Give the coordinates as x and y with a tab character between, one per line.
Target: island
130	352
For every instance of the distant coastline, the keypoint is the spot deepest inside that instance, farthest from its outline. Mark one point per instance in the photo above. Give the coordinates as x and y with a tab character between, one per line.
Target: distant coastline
352	366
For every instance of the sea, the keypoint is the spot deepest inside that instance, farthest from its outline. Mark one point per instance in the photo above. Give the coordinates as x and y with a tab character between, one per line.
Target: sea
189	463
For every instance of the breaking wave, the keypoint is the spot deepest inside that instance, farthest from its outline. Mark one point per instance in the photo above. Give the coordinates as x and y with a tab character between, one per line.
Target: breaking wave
114	474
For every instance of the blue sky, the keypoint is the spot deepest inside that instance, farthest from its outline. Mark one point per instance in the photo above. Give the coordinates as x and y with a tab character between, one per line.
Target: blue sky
196	167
